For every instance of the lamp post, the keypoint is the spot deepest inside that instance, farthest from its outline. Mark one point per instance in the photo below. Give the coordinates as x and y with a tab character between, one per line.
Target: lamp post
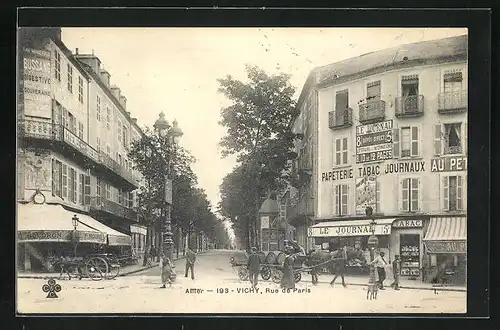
268	213
75	233
372	244
170	136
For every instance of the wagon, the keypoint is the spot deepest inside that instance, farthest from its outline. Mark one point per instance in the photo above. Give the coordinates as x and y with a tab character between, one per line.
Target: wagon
93	266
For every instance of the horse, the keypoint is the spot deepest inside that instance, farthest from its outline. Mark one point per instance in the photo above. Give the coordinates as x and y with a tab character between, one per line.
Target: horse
329	259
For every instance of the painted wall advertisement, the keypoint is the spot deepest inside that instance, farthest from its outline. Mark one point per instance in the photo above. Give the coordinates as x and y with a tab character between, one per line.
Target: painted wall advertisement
374	142
35	83
366	194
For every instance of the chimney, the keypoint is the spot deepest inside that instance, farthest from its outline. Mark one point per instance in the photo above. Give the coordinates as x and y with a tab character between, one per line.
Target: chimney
76	51
105	77
116	92
134	120
123	101
128	113
91	60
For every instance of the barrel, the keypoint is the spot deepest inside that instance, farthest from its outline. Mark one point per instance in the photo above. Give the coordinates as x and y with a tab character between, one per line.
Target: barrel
280	258
272	257
240	257
262	256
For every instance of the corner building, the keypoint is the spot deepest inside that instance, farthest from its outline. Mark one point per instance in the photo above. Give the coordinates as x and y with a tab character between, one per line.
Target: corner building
392	134
73	135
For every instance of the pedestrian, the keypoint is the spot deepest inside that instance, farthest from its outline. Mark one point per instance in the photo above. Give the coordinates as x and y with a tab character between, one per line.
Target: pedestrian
190	260
380	264
288	279
166	272
253	266
340	266
396	266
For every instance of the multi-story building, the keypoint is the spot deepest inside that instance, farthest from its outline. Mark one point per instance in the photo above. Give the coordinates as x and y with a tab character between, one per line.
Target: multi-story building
74	133
392	135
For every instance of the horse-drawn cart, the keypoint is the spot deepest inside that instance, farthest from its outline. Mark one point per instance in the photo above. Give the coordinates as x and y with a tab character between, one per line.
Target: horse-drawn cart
93	266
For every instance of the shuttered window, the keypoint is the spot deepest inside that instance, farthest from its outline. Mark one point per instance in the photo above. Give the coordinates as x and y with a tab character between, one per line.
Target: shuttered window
64	181
453	193
373	91
342	100
341	199
410	195
341	151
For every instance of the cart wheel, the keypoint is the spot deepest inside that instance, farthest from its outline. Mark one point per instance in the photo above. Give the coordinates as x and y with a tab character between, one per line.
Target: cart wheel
96	268
298	277
265	273
277	276
243	274
113	271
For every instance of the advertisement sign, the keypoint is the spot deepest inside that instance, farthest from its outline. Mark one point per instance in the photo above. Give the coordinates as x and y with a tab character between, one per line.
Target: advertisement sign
168	190
35	83
407	224
264	222
374	142
446	246
410	259
59	236
449	164
346	231
80	145
366	194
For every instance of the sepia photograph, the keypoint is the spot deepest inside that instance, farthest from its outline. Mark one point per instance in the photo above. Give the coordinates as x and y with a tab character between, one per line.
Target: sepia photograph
241	170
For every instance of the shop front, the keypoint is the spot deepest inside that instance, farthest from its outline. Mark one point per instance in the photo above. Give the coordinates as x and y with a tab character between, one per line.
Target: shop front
446	250
332	235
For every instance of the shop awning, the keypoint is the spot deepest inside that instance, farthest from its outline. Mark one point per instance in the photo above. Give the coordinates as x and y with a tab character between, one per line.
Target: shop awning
350	228
115	238
52	223
447	235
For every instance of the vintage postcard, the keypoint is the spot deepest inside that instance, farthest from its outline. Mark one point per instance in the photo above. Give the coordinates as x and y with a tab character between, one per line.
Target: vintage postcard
242	170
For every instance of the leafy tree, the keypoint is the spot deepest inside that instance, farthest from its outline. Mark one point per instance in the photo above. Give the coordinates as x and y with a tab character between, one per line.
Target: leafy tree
258	132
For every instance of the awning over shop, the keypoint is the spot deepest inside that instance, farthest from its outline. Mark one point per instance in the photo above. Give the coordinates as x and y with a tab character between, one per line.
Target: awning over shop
447	235
115	238
52	223
350	228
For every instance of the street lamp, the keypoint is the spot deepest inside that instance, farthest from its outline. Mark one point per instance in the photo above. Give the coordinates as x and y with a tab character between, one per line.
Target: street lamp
170	136
372	244
268	213
75	233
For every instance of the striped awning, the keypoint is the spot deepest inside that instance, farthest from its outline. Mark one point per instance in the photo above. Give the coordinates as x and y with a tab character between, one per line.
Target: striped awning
447	229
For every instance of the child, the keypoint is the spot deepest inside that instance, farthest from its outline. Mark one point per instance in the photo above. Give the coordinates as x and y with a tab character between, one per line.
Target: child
166	272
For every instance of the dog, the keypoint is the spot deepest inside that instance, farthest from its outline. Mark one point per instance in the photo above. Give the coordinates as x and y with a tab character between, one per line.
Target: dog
372	291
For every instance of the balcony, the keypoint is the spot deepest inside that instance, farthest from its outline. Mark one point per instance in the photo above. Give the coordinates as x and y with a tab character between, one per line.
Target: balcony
372	111
98	203
410	106
453	102
50	132
340	118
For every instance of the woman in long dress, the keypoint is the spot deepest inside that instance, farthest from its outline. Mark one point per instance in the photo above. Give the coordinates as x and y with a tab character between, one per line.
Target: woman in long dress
288	279
166	272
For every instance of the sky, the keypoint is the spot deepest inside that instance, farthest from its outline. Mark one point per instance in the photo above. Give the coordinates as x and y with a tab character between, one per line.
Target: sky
175	70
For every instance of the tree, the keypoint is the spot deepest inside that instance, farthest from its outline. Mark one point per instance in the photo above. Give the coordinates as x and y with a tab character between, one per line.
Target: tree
258	132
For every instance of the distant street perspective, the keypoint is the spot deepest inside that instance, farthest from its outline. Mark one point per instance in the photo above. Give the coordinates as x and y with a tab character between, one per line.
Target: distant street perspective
217	287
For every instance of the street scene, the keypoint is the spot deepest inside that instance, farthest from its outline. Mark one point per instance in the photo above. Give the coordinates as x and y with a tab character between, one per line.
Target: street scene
242	170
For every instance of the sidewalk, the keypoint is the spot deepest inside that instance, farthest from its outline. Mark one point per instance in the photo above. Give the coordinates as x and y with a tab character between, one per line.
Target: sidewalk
403	283
124	271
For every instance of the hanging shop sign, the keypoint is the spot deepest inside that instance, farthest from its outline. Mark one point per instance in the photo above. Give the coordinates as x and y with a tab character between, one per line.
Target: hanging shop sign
449	164
407	224
374	142
446	246
35	83
346	231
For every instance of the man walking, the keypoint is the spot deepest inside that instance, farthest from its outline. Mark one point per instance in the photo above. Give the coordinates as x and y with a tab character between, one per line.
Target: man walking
396	266
340	266
380	264
190	260
253	266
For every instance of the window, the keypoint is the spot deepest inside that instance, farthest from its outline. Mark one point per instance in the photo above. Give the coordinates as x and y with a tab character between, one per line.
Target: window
342	100
452	81
98	144
57	72
65	119
373	91
453	198
98	108
409	85
80	89
80	130
341	197
99	187
86	190
341	151
120	196
81	189
56	178
72	185
452	138
64	181
125	137
131	196
108	150
70	78
411	195
107	187
108	118
406	142
119	128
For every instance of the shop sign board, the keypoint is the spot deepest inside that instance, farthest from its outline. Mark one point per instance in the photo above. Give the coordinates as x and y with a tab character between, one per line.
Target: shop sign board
449	164
348	231
374	142
407	223
446	246
59	236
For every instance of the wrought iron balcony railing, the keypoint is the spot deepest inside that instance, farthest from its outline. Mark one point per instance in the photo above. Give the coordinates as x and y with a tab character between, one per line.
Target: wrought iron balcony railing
102	204
372	111
453	102
340	118
410	106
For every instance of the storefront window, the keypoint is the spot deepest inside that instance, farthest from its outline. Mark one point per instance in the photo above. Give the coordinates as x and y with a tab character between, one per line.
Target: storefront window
409	247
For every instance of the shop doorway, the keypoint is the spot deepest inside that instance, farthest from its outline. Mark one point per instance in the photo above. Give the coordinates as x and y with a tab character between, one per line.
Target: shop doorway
409	252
